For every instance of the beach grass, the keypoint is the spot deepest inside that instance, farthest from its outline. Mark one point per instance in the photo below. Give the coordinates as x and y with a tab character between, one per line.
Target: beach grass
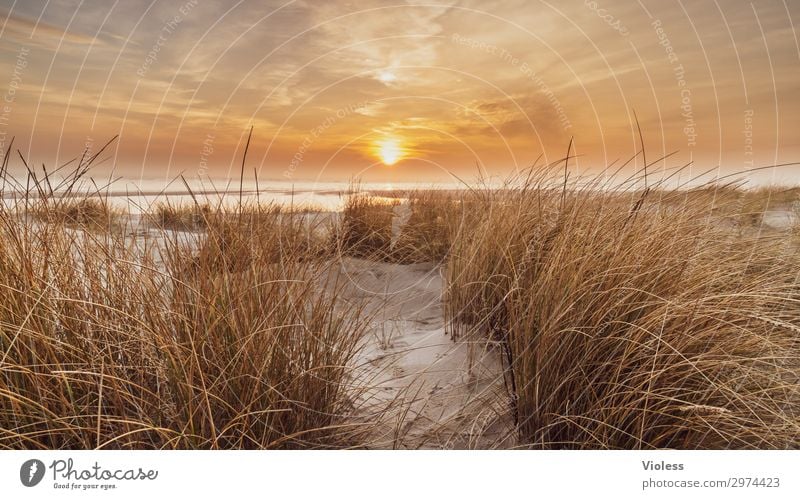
212	340
365	230
624	316
631	319
426	234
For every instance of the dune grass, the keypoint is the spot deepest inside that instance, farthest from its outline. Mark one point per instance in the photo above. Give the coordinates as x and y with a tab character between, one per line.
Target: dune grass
113	353
734	202
426	235
213	340
365	230
88	213
187	216
629	322
392	229
626	318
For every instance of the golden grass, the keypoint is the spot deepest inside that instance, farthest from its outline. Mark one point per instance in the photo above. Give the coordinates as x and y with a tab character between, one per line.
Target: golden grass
626	319
87	213
231	338
734	202
173	216
260	235
629	322
102	348
365	230
426	237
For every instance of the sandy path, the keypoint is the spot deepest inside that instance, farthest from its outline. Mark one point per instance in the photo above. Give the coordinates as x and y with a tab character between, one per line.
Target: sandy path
431	392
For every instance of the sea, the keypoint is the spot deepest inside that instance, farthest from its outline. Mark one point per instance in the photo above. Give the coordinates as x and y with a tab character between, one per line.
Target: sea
142	194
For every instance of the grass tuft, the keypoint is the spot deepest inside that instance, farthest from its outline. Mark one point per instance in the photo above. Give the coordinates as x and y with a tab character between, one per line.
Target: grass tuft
631	322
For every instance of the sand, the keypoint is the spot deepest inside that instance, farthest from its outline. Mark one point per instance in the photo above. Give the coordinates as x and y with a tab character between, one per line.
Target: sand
426	390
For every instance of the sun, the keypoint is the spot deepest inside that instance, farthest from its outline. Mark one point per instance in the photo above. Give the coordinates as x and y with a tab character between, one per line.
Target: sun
387	77
389	150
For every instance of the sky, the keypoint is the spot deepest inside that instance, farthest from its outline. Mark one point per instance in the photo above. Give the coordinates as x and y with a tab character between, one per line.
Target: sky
401	91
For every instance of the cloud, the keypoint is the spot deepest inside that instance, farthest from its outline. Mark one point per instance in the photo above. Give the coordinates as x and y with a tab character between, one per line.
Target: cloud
24	31
494	75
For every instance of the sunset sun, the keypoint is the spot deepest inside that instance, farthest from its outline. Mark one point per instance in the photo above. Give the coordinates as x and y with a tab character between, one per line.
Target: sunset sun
389	150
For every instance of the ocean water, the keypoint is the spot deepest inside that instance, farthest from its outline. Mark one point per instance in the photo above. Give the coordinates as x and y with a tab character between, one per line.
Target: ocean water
142	194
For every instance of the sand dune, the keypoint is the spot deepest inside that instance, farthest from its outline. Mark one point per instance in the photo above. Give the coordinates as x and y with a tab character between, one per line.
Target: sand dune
429	391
